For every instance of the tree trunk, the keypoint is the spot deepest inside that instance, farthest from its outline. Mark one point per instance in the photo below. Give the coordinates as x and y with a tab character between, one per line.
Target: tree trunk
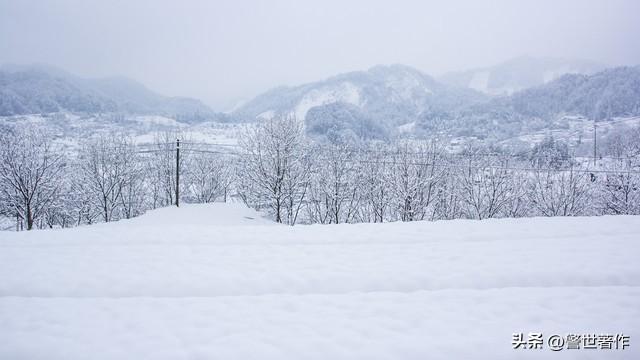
29	217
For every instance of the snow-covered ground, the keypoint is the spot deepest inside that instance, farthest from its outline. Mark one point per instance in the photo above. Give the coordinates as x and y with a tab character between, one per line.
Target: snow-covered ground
71	129
576	129
219	282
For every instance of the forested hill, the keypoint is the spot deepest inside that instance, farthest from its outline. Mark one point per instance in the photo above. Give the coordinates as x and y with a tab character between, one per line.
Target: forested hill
387	100
602	96
376	104
365	104
611	93
43	89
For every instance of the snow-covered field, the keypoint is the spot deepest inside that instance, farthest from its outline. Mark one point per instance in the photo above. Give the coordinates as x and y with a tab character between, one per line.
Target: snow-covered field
218	282
70	129
576	129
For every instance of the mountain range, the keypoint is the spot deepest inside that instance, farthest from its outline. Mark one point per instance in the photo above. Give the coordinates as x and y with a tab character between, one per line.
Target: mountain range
33	89
368	103
518	74
611	93
518	96
386	101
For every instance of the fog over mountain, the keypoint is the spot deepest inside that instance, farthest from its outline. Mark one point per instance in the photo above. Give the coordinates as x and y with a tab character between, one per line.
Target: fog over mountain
225	51
605	95
386	91
387	101
380	103
33	89
518	74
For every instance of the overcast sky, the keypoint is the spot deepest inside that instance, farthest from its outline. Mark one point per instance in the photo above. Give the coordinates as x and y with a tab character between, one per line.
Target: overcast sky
224	51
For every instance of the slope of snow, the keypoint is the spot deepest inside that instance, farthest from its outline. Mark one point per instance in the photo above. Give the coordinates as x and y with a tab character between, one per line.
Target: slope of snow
153	120
519	73
214	214
207	282
553	74
267	115
480	81
405	85
346	92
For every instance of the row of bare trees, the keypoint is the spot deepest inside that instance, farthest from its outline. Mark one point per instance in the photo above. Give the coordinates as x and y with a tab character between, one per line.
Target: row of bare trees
293	180
108	177
279	172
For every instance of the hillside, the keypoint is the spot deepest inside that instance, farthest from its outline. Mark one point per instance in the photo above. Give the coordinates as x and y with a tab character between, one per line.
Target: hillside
396	100
207	282
518	74
612	93
381	103
43	89
381	98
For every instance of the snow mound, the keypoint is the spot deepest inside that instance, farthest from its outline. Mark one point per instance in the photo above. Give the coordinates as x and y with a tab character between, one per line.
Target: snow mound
212	214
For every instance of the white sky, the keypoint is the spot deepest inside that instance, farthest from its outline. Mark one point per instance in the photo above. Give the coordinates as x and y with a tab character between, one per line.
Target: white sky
224	51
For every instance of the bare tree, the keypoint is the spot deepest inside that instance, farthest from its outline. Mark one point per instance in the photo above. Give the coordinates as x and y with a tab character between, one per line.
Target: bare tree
108	165
416	172
559	192
133	198
375	194
334	194
485	187
619	191
209	176
79	202
274	168
159	167
30	166
448	202
518	204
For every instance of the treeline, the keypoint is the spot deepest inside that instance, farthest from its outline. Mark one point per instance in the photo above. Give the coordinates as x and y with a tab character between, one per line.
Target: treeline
610	93
602	96
278	171
295	181
108	178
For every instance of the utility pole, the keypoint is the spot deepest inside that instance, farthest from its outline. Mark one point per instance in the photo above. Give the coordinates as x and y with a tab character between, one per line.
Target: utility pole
178	172
595	133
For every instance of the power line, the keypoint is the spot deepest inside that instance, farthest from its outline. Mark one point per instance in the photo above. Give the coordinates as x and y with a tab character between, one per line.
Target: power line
153	151
526	154
210	152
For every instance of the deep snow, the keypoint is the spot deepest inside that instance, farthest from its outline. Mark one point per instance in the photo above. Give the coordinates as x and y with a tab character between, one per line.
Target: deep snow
219	282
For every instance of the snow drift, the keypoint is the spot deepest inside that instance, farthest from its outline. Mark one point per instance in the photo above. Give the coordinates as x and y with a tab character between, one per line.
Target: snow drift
216	282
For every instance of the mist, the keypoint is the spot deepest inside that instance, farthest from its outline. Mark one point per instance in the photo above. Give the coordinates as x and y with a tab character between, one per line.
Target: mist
225	51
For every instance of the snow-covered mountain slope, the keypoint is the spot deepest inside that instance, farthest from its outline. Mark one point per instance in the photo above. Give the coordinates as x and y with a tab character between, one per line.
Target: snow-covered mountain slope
344	92
378	104
391	95
205	282
385	101
603	96
519	74
34	89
